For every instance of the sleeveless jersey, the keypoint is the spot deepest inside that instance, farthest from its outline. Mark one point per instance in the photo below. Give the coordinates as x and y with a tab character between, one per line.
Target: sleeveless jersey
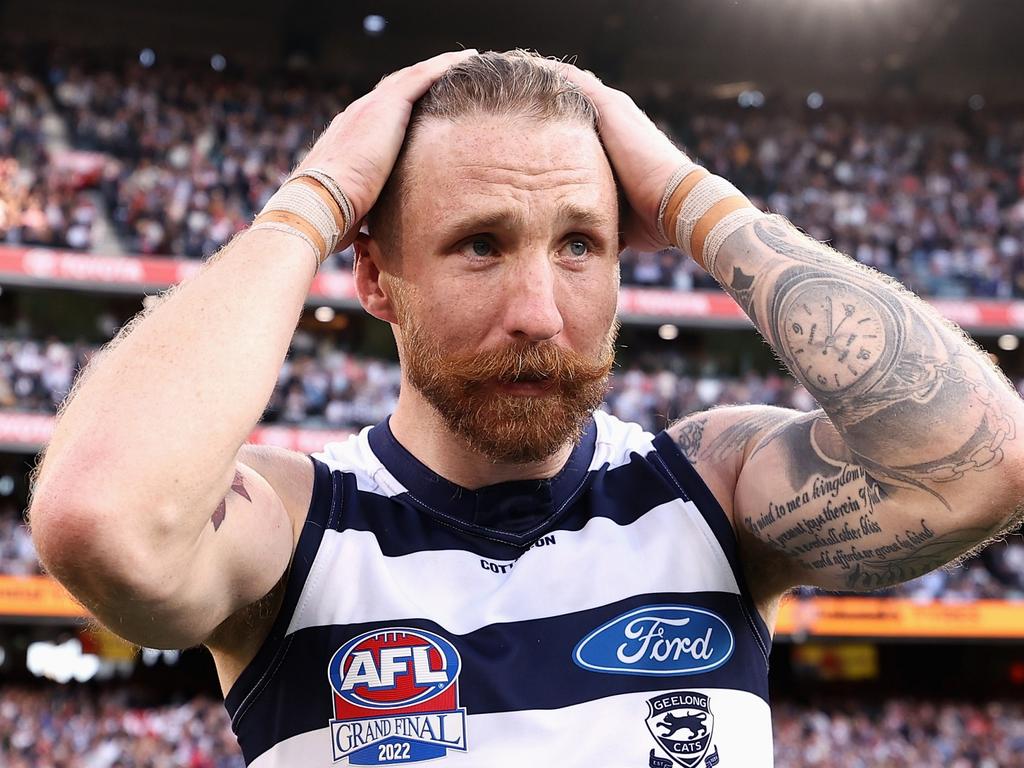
598	618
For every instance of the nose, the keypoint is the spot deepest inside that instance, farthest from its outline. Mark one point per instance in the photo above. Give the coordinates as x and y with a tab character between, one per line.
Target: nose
531	311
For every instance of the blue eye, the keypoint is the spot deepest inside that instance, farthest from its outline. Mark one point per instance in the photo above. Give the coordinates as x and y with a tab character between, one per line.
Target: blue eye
481	247
578	248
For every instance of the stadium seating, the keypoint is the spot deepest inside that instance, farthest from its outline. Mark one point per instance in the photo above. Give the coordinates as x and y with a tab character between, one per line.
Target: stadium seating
74	728
933	201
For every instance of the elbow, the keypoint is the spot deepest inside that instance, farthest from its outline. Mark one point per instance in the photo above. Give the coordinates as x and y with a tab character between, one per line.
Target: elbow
129	590
98	559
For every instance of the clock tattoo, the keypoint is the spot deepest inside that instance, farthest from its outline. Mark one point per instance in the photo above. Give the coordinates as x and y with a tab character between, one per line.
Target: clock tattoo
835	335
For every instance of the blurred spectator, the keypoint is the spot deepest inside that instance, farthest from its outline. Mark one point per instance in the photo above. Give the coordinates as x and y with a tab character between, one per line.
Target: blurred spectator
72	727
17	553
76	727
899	734
39	203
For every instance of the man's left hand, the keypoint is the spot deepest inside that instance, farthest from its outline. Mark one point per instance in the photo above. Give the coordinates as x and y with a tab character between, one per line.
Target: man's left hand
643	157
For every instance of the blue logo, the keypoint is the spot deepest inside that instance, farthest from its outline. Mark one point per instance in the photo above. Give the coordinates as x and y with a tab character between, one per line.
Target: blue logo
657	640
396	698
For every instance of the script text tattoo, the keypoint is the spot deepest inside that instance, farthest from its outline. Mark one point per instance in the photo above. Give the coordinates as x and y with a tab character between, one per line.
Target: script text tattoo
888	373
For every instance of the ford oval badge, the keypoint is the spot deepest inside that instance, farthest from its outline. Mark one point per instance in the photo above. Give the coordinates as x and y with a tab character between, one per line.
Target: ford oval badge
657	640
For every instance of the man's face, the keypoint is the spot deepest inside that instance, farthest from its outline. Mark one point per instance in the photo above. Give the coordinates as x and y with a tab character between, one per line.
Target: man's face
507	280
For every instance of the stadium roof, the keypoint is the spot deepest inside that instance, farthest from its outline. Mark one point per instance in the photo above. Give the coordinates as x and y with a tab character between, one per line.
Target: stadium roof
849	47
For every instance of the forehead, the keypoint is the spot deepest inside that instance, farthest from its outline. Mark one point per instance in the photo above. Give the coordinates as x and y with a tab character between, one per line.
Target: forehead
480	161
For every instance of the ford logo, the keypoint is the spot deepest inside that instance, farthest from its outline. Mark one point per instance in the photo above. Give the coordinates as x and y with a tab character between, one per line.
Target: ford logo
657	640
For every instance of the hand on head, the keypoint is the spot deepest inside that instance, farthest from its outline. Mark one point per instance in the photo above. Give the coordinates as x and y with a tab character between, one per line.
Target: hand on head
359	147
643	157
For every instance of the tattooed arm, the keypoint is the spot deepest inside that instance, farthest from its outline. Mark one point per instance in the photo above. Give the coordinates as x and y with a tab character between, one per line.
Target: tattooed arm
912	460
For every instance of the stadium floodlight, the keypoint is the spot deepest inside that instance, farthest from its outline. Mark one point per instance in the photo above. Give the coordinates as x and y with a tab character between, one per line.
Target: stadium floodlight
218	62
668	332
753	99
815	100
147	57
1008	342
374	24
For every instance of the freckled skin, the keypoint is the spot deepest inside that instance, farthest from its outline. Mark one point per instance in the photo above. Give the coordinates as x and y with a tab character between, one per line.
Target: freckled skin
527	169
519	177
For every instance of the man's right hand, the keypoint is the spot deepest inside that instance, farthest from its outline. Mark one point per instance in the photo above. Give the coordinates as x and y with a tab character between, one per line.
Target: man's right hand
360	146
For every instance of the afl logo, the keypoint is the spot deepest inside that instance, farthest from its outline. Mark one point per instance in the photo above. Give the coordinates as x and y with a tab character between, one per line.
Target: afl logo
396	697
393	669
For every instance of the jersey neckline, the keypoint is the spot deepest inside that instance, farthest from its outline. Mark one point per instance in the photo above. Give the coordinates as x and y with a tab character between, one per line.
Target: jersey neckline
514	511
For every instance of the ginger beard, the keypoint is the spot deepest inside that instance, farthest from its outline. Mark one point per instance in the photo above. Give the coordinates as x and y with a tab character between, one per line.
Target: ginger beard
504	426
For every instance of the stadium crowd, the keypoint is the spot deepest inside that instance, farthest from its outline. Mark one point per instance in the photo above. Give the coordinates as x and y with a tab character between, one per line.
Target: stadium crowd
193	155
899	733
41	203
72	727
933	198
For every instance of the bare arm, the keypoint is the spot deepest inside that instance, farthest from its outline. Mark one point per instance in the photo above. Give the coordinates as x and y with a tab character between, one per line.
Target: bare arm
141	487
143	505
913	459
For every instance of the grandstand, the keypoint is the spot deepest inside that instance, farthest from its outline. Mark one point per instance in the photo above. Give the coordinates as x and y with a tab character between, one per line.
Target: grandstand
129	155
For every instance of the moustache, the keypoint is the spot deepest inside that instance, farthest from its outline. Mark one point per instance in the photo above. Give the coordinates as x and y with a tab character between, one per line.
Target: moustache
531	362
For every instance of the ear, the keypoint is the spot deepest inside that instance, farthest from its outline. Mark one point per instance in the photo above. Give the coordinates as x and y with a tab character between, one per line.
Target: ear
367	275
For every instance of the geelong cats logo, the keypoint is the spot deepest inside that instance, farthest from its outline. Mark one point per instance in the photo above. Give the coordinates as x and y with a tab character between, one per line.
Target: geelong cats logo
396	698
682	724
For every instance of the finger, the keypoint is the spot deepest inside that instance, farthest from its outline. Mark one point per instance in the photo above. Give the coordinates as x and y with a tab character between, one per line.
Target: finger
413	81
437	65
586	80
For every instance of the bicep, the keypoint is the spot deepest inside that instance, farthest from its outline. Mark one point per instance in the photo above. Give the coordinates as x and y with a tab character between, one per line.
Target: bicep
828	519
240	555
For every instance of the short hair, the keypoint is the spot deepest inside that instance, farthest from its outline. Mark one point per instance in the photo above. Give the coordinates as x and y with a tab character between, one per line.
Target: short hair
514	84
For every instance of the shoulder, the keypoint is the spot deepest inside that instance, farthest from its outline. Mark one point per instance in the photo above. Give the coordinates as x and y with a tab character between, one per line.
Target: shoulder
719	441
289	473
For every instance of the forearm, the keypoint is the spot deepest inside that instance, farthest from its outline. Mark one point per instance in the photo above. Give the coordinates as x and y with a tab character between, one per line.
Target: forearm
151	431
918	404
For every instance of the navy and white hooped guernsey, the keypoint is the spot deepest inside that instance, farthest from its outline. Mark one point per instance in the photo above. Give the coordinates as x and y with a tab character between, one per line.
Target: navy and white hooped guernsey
599	618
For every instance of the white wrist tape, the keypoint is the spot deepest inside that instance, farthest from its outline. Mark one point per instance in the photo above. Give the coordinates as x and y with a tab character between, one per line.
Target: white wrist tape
303	201
708	191
280	227
721	231
674	181
328	183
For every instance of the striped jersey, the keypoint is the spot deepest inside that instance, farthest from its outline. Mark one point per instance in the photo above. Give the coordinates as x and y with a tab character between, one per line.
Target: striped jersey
597	618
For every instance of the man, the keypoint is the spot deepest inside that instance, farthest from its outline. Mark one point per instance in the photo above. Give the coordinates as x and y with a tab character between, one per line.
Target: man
496	575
